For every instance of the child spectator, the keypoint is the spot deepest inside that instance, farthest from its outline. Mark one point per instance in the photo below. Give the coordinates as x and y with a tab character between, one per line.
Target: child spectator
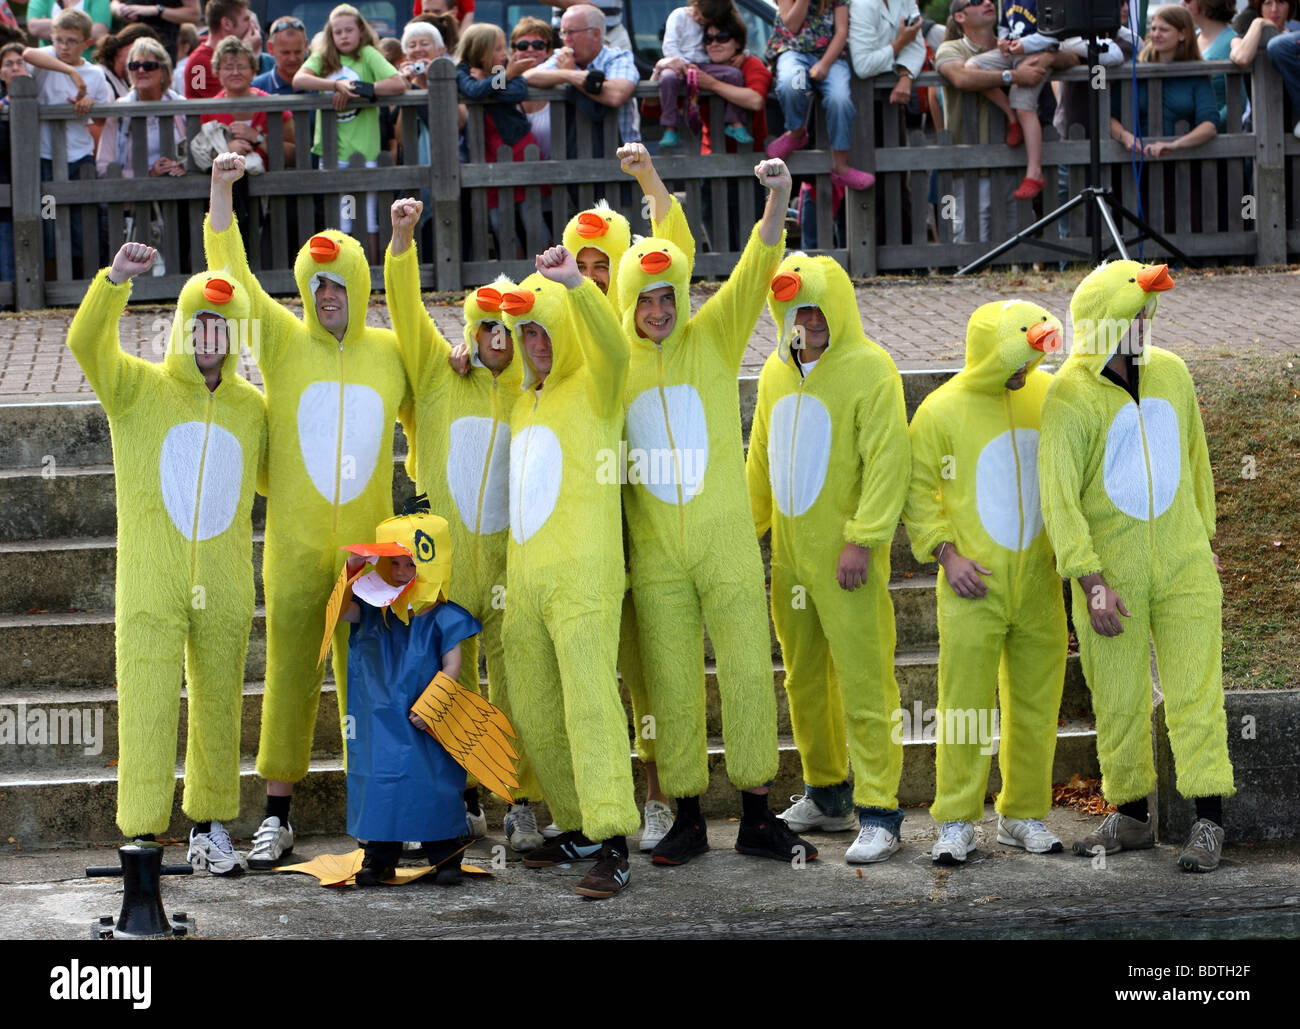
446	24
345	59
402	784
807	50
235	64
41	14
685	57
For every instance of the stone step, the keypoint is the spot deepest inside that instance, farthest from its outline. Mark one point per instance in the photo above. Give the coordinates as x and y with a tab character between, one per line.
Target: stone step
63	728
78	804
76	648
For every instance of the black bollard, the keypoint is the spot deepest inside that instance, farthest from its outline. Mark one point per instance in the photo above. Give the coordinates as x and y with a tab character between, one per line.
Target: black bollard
142	916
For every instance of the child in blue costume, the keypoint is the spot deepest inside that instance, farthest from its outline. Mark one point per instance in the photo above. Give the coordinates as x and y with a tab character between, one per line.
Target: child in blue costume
402	784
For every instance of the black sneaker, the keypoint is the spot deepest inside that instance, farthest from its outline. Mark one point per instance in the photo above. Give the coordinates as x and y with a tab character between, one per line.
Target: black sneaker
685	840
772	838
564	849
608	875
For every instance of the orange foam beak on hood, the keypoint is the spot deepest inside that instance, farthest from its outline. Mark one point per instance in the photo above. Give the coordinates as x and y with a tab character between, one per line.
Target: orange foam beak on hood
785	287
1155	278
322	249
218	291
488	298
1044	337
517	302
656	262
591	225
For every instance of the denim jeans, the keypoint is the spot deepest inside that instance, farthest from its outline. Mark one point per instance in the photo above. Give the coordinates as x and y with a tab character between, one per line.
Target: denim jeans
792	71
1284	52
833	800
891	820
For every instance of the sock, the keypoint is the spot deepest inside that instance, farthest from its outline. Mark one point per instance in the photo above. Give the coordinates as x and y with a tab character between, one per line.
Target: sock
202	827
278	807
688	808
1135	809
1211	808
471	801
753	807
617	844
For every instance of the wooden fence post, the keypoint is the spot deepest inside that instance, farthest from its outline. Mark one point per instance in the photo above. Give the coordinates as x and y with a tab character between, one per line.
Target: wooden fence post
860	205
1267	109
29	243
444	175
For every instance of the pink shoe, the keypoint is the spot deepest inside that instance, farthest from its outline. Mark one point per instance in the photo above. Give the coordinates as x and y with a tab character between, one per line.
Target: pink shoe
853	179
787	143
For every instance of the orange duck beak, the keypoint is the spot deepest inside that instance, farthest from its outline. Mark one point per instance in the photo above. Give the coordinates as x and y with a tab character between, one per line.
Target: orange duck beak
1155	278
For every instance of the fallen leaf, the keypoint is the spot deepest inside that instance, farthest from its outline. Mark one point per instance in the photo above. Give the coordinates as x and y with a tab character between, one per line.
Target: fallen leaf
111	763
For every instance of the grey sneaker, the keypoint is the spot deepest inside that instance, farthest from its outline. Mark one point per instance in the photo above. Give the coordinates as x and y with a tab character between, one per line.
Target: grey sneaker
1117	832
1204	848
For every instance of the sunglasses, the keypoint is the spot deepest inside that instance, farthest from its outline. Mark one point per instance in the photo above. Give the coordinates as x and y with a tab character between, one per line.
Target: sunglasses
143	66
958	6
530	44
284	24
717	37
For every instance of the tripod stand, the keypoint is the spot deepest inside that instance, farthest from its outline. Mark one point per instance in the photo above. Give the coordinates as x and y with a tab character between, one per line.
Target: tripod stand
1098	200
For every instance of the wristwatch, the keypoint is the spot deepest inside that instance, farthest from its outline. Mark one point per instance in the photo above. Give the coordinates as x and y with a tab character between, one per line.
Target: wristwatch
1006	78
160	10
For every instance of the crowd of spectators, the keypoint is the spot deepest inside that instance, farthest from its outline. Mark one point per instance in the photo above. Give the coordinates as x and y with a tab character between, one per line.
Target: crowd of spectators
106	50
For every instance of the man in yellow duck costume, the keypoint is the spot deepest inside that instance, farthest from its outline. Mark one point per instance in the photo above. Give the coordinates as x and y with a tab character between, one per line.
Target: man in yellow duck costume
973	506
333	391
565	570
1128	501
462	450
189	444
694	558
828	470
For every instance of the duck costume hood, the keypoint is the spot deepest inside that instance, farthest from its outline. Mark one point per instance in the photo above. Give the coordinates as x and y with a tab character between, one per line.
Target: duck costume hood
538	299
426	540
1004	336
207	293
332	254
1105	304
801	282
484	305
604	229
651	263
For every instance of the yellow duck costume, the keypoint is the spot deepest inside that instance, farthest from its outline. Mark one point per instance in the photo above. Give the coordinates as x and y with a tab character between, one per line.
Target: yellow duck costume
828	464
462	460
565	568
1128	492
694	557
975	447
331	407
187	462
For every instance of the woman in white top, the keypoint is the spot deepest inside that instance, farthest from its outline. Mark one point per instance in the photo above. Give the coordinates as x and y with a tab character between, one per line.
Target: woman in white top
150	71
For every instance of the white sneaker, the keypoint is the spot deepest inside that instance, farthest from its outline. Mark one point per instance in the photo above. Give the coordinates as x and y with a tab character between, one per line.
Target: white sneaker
521	829
1296	131
214	851
874	843
956	840
1029	833
476	825
551	832
658	820
271	842
805	815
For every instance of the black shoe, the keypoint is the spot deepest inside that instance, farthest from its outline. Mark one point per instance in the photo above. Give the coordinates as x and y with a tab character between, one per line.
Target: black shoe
685	840
772	838
564	849
608	875
374	871
448	874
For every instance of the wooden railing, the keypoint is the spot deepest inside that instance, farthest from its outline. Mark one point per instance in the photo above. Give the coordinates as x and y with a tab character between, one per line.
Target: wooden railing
1235	199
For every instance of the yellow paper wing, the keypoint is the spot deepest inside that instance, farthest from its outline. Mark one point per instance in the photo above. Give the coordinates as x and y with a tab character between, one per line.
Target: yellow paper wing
475	733
330	869
334	608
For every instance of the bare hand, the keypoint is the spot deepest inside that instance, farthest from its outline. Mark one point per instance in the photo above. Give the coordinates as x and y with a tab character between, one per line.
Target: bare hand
244	130
418	722
132	259
773	174
1004	46
242	147
1104	606
1029	73
1217	567
564	59
83	103
356	562
818	71
634	159
1015	47
906	32
558	265
519	64
902	91
963	574
459	359
343	92
853	566
406	214
228	168
1159	149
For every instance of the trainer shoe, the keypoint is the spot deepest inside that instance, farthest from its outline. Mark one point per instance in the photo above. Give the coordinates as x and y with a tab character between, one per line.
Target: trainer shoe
271	843
1117	832
805	815
956	840
739	133
551	832
476	825
565	848
874	843
685	840
214	851
658	820
1029	833
772	838
1203	850
608	875
669	140
521	829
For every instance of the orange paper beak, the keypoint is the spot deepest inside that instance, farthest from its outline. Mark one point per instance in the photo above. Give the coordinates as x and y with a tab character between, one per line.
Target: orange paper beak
1044	337
377	549
656	262
488	298
218	291
322	249
517	301
1155	278
785	287
591	225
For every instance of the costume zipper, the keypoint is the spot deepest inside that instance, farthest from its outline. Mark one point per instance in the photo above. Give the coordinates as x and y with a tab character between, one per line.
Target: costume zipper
789	482
198	493
1020	506
338	449
487	465
672	446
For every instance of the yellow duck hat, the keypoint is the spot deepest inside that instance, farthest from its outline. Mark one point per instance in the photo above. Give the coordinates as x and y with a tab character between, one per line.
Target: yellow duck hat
426	540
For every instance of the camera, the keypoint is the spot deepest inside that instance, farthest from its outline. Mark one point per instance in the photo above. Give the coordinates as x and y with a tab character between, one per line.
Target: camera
417	67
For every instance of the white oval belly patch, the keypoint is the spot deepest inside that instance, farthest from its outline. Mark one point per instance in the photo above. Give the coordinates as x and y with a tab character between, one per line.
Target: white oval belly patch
1125	469
362	425
536	470
467	455
1000	507
178	478
798	452
665	454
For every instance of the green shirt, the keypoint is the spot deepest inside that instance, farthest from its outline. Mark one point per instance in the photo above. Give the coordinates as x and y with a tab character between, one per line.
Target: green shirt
359	127
98	10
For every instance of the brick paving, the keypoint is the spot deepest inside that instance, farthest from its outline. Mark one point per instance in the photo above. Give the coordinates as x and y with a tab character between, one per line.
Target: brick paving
921	322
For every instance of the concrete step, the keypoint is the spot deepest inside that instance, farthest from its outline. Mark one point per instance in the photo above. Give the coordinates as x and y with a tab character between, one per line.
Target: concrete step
78	804
64	727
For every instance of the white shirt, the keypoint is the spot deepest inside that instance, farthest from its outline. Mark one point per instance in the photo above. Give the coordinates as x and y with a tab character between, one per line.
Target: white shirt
873	24
684	37
53	87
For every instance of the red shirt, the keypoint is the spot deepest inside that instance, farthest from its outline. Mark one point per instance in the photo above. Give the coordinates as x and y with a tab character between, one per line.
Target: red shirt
463	7
258	119
201	85
759	79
